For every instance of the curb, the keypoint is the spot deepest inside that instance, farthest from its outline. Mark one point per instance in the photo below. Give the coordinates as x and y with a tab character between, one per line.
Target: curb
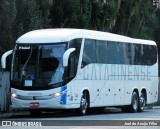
152	107
148	107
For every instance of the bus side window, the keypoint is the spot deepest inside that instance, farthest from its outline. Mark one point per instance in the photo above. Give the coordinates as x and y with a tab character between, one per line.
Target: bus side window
137	56
101	52
89	52
113	55
121	53
152	58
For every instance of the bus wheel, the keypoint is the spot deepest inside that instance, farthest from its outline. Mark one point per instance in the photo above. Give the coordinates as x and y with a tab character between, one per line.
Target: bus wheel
83	104
134	102
35	112
142	102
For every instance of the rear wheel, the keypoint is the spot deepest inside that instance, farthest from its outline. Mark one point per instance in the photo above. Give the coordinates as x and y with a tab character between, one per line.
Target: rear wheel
134	102
142	102
83	104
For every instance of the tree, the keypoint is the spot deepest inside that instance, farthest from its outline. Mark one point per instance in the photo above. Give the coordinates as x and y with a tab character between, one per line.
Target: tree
157	28
95	14
8	16
82	14
32	15
134	18
70	13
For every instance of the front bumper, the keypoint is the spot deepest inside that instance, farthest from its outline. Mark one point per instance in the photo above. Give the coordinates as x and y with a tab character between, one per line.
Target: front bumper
54	103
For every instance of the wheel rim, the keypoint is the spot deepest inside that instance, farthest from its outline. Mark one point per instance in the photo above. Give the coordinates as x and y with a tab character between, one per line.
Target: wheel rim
142	102
84	105
135	102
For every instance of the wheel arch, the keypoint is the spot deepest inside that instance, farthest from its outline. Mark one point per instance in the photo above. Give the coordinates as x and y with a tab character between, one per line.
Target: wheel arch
136	90
144	93
88	95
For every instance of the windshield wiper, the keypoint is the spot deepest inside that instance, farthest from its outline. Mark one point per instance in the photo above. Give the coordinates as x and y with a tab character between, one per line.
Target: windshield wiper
24	66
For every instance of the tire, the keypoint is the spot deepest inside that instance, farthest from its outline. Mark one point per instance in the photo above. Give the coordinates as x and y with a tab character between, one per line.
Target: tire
83	105
35	112
142	103
134	103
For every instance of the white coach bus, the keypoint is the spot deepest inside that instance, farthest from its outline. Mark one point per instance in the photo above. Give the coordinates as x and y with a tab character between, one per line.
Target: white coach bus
80	69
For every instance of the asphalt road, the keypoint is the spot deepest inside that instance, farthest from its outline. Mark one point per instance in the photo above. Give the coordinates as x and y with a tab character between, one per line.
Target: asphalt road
110	118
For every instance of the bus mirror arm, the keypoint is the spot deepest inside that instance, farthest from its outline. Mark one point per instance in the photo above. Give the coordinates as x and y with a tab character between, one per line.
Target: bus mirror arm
66	56
3	58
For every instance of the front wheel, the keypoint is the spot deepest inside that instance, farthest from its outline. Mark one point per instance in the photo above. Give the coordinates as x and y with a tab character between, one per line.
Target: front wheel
83	105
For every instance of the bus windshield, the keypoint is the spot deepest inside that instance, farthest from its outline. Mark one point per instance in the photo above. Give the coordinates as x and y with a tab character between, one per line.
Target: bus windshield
38	65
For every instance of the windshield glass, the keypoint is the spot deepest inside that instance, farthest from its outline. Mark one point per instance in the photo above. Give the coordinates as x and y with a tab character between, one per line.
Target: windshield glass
38	65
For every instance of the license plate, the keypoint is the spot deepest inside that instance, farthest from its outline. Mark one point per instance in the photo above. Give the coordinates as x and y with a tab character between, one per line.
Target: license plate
34	104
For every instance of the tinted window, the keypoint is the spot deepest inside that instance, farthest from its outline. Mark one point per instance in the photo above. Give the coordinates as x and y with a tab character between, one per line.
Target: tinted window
153	54
74	57
137	57
121	53
113	50
145	54
109	52
89	53
132	52
76	43
128	53
149	55
101	51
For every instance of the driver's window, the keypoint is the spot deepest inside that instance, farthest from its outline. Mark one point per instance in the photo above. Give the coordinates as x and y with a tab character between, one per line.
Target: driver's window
74	57
71	68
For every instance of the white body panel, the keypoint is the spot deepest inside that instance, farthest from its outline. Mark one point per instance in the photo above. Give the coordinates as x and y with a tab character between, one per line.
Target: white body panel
61	35
110	86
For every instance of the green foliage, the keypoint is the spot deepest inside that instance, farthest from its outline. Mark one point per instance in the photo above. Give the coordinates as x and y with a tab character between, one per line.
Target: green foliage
134	18
157	29
8	16
70	13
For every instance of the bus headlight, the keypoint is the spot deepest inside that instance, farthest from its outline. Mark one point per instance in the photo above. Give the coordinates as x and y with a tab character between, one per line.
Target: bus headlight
13	95
57	94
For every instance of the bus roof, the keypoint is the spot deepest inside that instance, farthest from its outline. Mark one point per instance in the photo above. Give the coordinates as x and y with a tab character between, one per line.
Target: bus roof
65	34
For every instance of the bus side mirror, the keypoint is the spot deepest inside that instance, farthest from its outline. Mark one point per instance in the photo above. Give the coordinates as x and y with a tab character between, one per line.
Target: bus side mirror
4	58
66	56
